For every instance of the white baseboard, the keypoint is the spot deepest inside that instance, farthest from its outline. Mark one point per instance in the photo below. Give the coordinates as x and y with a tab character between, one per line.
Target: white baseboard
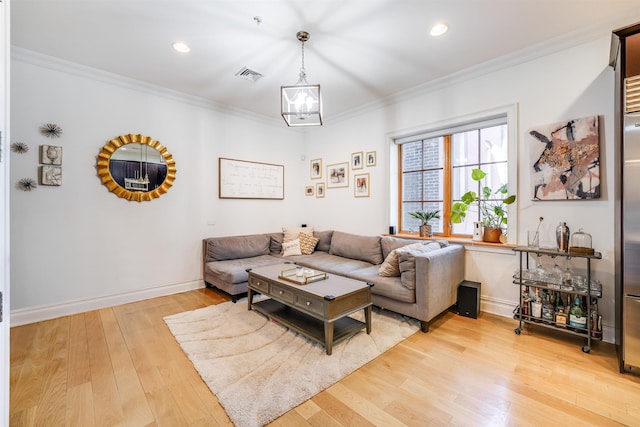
497	306
25	316
505	308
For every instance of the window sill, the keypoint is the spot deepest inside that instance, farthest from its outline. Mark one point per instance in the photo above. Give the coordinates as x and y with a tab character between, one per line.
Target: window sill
460	240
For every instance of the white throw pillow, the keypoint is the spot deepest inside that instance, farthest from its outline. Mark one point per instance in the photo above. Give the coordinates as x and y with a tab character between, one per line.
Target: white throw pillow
291	248
391	267
291	233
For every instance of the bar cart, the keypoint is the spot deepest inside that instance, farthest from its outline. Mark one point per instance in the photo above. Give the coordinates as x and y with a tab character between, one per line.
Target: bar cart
524	280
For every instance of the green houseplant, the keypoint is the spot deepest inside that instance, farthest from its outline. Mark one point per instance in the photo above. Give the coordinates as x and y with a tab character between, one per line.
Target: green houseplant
425	217
493	213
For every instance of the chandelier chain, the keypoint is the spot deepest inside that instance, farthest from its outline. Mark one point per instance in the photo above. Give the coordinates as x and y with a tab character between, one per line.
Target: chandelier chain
302	70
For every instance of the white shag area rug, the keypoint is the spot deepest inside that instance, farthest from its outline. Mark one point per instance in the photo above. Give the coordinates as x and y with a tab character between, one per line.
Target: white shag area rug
259	369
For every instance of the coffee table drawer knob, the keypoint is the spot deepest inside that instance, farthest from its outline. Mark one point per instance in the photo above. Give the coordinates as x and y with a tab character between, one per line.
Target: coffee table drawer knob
281	292
308	303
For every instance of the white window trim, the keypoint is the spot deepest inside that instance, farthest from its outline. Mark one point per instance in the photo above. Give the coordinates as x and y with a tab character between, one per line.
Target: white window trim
511	113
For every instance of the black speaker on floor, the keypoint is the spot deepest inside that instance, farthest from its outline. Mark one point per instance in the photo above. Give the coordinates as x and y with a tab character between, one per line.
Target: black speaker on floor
469	299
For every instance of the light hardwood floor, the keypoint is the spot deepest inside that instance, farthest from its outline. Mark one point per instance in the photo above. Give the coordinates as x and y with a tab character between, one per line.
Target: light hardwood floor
122	366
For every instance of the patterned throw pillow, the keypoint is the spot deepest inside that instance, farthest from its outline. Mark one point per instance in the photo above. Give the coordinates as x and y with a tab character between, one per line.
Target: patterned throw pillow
291	248
307	243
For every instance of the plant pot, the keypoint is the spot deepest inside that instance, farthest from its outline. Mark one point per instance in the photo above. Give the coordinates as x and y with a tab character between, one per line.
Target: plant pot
425	231
491	235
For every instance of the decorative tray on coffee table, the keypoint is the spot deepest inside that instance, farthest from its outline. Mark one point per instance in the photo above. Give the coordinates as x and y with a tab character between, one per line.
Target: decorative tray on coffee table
308	276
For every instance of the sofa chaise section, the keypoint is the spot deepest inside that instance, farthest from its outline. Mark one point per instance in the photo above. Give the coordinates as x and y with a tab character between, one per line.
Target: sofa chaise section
226	260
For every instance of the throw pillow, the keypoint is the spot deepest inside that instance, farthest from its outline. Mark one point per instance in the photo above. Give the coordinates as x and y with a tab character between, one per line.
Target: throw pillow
407	263
390	266
235	247
307	243
291	233
291	248
389	243
363	248
325	240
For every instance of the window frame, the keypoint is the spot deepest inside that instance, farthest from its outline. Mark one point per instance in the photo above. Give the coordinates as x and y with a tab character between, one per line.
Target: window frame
506	113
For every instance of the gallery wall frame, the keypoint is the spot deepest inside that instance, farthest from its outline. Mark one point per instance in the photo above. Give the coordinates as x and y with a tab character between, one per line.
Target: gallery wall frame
308	190
338	175
357	162
243	179
361	187
370	158
320	190
316	168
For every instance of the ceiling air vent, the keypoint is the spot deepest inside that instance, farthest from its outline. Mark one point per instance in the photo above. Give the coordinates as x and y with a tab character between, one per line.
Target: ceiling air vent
632	94
249	74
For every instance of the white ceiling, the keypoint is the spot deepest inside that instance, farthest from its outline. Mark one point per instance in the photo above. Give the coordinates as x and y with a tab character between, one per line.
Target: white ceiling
360	50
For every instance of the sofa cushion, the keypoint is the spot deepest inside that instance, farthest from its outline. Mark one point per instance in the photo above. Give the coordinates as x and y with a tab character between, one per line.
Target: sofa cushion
291	248
234	270
407	262
391	267
291	233
325	240
390	287
275	246
330	263
307	243
364	248
235	247
389	243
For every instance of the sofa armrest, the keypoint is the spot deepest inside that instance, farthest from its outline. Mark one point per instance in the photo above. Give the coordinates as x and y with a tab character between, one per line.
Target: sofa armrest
438	275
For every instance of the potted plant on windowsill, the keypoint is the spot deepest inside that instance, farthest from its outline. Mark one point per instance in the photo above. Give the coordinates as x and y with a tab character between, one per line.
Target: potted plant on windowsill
493	213
425	217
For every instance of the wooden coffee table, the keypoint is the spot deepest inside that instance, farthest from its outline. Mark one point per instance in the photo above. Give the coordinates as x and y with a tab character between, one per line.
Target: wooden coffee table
318	310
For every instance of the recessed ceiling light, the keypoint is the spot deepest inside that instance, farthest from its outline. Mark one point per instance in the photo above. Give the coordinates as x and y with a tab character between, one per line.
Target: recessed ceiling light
181	47
438	29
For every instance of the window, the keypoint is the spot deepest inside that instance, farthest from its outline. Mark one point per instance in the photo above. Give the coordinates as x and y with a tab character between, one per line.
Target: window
435	171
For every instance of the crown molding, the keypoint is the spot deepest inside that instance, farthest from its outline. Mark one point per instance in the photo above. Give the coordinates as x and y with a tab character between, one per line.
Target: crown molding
83	71
548	47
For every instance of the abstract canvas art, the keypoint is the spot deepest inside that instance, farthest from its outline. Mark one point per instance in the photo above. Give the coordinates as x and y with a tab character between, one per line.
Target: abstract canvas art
565	160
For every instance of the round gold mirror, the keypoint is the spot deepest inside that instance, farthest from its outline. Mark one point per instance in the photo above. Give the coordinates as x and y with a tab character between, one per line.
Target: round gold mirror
136	167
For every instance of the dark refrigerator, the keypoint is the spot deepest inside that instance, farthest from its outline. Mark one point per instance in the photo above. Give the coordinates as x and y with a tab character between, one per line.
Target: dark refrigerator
631	243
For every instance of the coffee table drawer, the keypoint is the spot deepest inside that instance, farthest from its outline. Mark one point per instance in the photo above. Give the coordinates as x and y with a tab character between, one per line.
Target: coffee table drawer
310	304
259	284
281	293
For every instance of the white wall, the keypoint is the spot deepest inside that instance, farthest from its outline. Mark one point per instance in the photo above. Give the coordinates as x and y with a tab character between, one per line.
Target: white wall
79	243
5	356
571	83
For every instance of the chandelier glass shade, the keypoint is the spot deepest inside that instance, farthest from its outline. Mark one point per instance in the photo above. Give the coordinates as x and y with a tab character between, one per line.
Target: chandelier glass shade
301	105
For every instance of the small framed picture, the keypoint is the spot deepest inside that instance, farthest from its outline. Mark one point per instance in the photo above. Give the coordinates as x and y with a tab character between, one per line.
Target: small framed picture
50	175
338	175
361	185
50	155
357	161
308	191
316	168
371	158
320	189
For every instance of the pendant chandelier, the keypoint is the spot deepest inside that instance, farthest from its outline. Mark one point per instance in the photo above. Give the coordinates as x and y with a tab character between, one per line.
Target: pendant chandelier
301	105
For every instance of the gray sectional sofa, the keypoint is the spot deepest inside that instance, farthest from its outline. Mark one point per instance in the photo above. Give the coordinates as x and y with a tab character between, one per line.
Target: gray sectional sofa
415	278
